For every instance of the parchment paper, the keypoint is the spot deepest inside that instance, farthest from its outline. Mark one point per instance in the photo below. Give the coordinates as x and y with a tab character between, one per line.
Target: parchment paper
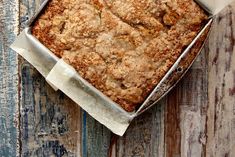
214	6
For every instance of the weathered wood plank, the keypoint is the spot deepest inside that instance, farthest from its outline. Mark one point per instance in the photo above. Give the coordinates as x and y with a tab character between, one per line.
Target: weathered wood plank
50	122
95	138
185	114
221	110
9	10
144	137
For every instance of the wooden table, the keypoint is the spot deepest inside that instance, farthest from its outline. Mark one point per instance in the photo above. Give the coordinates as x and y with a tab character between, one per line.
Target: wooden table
197	119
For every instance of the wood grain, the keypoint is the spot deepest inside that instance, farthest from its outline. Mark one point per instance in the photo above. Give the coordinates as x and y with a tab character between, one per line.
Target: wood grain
221	85
145	136
9	94
95	138
50	122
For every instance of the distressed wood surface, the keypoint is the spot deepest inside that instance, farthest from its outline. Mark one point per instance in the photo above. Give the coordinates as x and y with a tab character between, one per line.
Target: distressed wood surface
196	119
221	86
9	94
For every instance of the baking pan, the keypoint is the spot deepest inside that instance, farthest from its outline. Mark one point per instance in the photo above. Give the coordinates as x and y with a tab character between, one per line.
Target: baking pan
64	77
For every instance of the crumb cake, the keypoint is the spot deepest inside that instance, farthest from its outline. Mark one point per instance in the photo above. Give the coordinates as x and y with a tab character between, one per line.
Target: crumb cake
122	47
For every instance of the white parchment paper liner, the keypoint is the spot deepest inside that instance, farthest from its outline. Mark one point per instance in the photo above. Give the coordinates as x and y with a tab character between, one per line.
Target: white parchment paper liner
214	6
62	76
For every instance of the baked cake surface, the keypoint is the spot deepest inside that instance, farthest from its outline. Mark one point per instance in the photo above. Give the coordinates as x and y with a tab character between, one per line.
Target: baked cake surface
122	47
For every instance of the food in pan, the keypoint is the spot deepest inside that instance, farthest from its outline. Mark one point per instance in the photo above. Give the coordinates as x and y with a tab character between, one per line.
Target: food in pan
122	47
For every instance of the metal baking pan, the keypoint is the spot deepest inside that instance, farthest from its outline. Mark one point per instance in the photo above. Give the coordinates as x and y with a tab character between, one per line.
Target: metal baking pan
64	77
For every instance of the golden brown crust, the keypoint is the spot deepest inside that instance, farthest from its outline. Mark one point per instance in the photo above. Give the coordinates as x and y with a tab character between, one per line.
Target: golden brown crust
122	47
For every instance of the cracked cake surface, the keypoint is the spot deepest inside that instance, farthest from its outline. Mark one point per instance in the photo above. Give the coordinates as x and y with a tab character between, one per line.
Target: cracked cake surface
122	47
